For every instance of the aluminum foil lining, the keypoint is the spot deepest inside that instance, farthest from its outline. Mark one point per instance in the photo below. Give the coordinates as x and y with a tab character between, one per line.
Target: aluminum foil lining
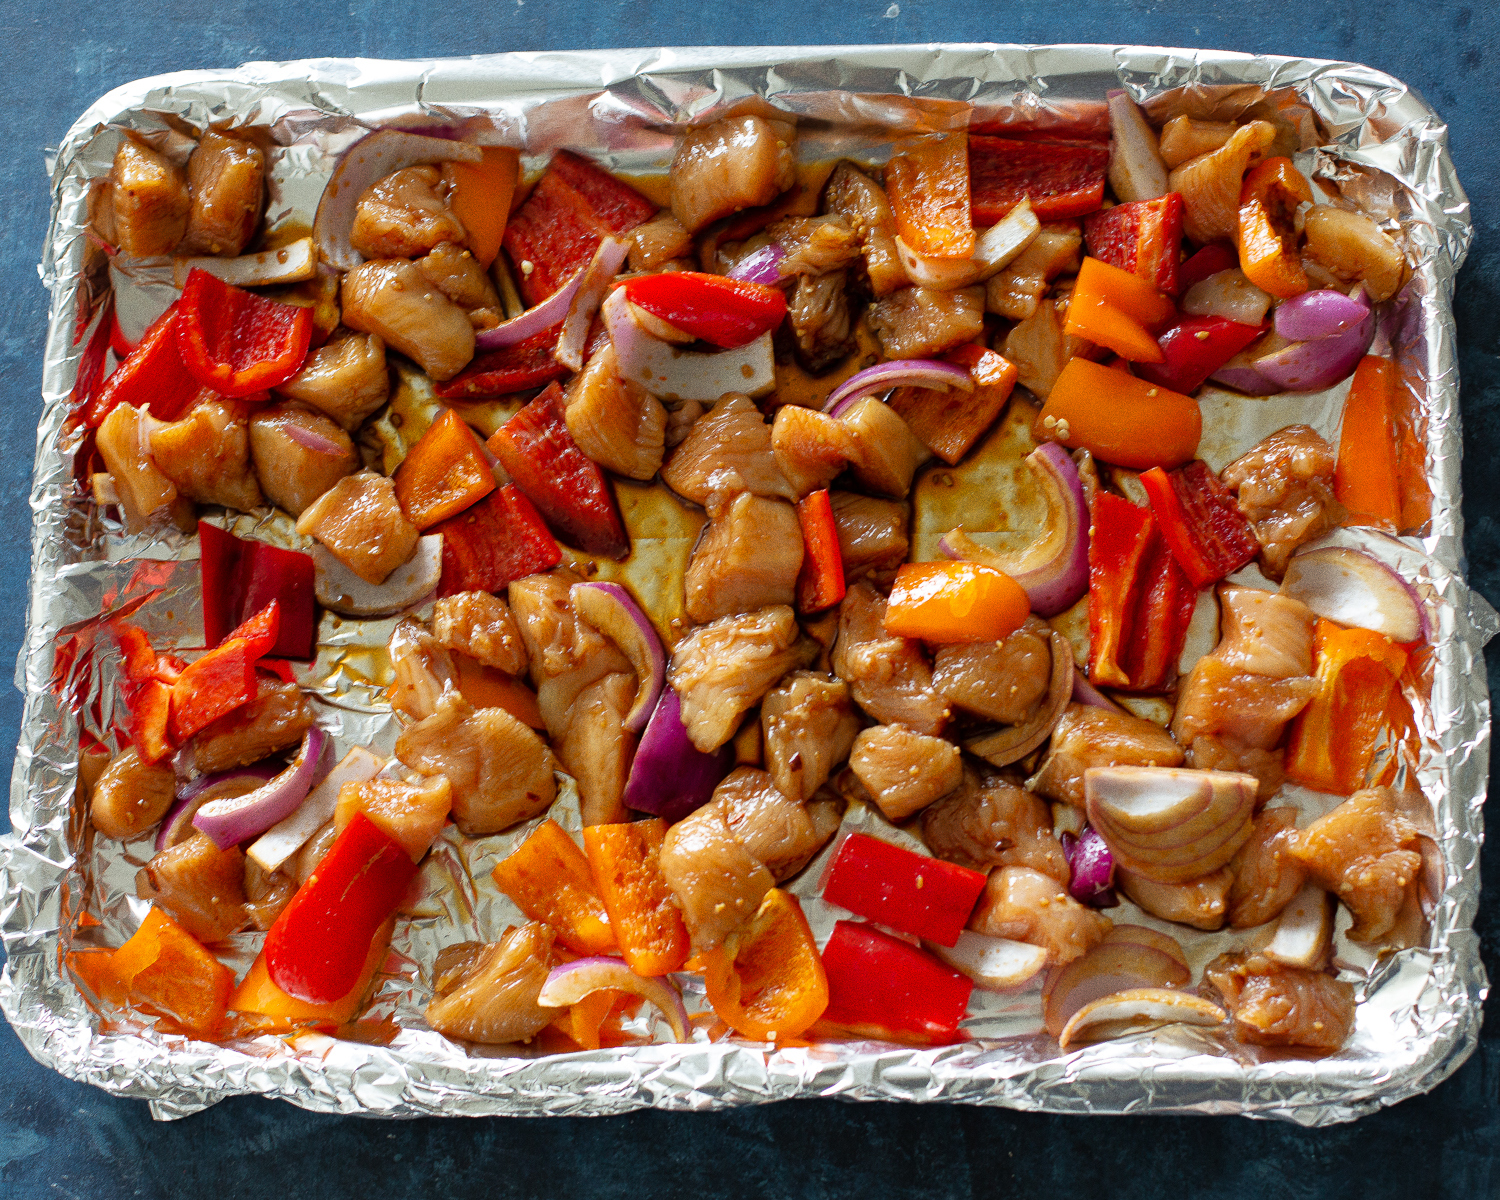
66	889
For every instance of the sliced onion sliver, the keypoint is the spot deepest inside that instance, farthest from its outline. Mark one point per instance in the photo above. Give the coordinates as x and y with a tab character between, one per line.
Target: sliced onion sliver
1093	868
587	295
669	776
760	266
551	311
571	982
178	823
612	610
1085	692
914	372
1135	1011
290	834
229	822
413	581
368	161
1136	168
995	964
1108	968
292	263
313	440
1355	588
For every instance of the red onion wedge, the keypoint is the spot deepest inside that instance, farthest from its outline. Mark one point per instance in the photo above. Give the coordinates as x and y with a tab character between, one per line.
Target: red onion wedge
1005	746
292	263
670	777
177	825
1135	1011
1053	570
1311	364
915	372
291	833
551	311
1319	314
413	581
587	296
1093	868
1170	824
760	266
368	161
1355	588
572	981
671	373
612	610
1085	692
229	822
1136	168
995	964
1108	968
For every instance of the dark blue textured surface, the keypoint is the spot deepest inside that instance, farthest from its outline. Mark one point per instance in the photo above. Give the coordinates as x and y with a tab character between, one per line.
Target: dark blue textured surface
63	1139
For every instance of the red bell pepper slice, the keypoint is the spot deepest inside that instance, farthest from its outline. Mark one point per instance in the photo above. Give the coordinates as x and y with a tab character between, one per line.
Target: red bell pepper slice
517	368
910	892
224	678
1199	522
570	211
1158	626
1119	535
236	342
1062	178
317	948
880	986
149	679
241	577
820	582
1194	348
726	312
91	365
1143	237
1210	260
153	376
500	539
566	485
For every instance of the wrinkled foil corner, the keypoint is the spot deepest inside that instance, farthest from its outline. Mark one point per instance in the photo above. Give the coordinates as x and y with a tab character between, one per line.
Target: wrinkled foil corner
1420	1009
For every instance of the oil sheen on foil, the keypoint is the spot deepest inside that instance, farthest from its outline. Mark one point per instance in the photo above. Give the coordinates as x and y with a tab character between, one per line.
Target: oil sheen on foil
1419	1010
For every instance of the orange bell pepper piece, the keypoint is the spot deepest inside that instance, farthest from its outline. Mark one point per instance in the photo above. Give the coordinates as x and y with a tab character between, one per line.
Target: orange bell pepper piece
1121	419
1117	309
165	970
767	980
1267	239
642	910
548	878
224	678
928	186
481	198
1366	479
275	1011
955	602
1334	739
443	474
820	583
486	687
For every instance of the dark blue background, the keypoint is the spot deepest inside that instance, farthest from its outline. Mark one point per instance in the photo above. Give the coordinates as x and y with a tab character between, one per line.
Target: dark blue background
63	1139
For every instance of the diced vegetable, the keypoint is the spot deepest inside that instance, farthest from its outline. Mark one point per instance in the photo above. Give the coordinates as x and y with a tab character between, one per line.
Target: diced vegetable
240	576
224	678
1115	308
950	422
1120	419
480	198
955	602
231	821
1366	480
1200	522
1210	260
572	982
500	539
1194	348
642	910
162	968
881	987
1092	868
1061	178
443	474
928	186
153	377
276	1011
513	368
907	891
237	342
820	583
669	775
1136	169
612	610
1272	190
1143	237
1355	588
1170	824
548	878
727	312
767	982
928	373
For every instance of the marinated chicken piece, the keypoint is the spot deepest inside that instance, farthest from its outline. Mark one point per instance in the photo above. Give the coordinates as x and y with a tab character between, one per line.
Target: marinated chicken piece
919	322
1200	903
1027	906
872	534
884	453
997	680
1250	709
566	654
1266	874
292	472
888	676
457	274
150	198
863	203
345	379
780	833
680	421
747	558
596	749
392	298
1208	752
1284	488
500	770
1276	1005
361	523
226	180
1264	633
721	671
995	824
717	881
422	670
1366	853
266	894
131	796
815	245
404	215
658	241
142	489
809	725
206	455
199	885
480	625
739	162
811	448
1210	183
727	450
1016	292
616	422
1185	137
903	770
819	312
1040	349
1353	247
412	813
1086	737
277	718
487	993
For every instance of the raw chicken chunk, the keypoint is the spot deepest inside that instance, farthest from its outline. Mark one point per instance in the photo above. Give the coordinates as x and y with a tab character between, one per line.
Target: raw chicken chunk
1027	906
1252	709
1000	681
293	473
815	245
872	533
1266	873
206	455
658	241
487	994
995	824
727	450
781	833
201	886
736	163
457	274
809	725
1200	903
884	454
1265	633
615	422
1086	737
1284	488
818	310
481	626
277	718
1209	752
903	770
1040	348
1276	1005
412	813
226	180
131	796
748	558
345	379
721	670
863	204
596	749
404	215
811	448
1016	292
150	199
919	322
1210	183
888	676
393	299
361	523
422	670
718	882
